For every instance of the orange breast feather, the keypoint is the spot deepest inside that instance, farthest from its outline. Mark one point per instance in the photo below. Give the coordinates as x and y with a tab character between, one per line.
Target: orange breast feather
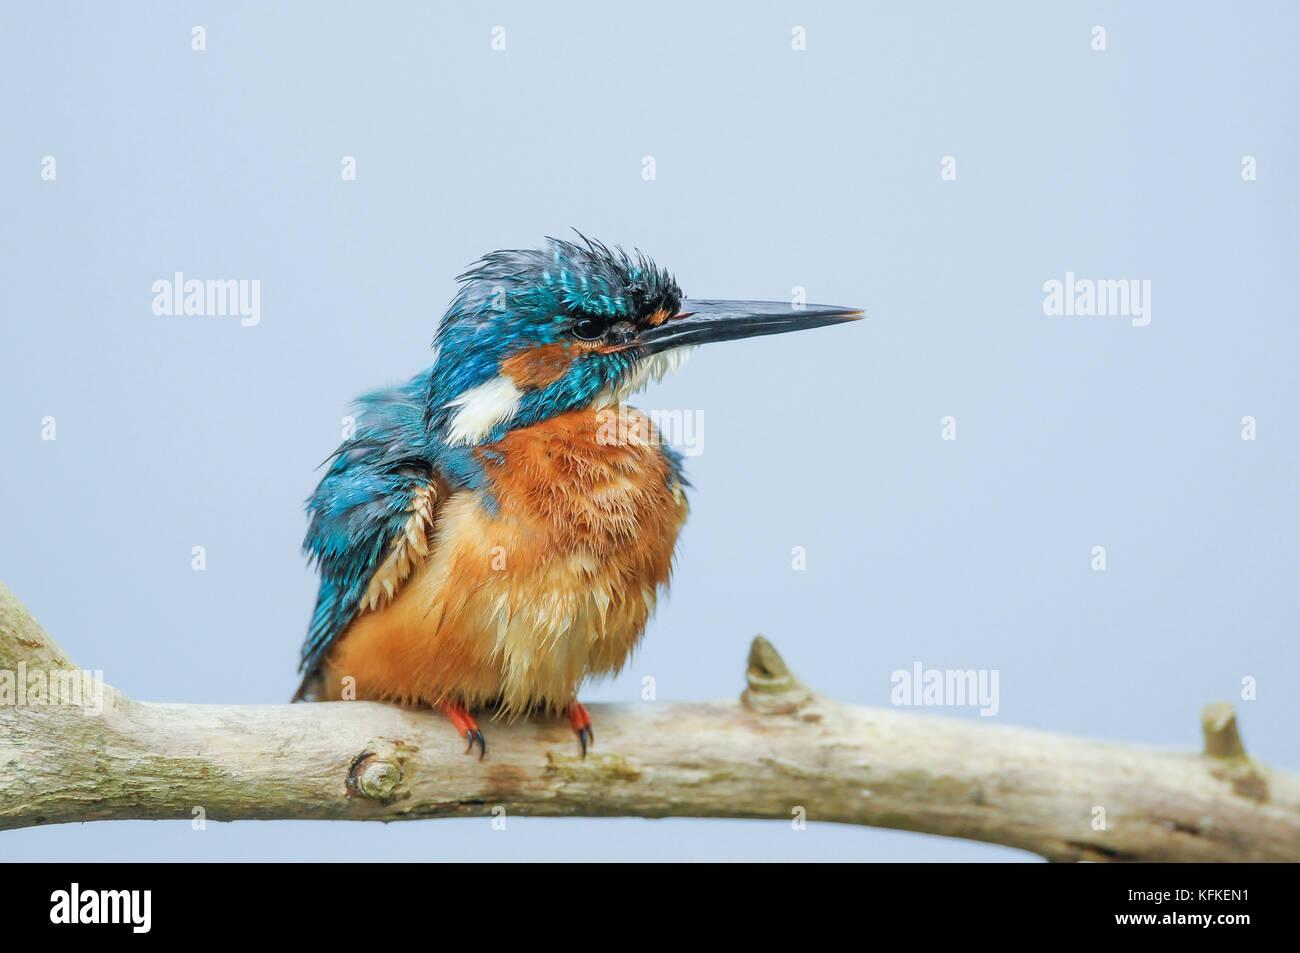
518	606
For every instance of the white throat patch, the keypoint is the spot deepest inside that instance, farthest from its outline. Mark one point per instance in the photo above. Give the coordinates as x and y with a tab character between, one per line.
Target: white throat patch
481	409
655	366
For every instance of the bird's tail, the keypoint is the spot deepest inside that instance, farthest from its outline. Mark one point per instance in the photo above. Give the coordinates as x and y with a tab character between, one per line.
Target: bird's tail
311	689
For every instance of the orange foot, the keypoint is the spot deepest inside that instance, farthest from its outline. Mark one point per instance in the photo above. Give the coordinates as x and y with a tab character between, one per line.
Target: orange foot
465	725
581	722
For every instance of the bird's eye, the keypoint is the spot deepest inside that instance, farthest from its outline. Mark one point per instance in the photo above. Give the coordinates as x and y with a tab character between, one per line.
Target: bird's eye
588	328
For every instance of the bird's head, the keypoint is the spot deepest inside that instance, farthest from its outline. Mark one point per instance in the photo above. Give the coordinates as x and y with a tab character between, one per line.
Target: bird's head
536	333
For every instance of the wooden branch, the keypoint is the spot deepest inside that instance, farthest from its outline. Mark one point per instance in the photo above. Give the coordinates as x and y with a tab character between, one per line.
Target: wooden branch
782	752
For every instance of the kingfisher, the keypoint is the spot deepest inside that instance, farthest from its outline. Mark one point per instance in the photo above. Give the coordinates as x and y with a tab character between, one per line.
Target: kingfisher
498	528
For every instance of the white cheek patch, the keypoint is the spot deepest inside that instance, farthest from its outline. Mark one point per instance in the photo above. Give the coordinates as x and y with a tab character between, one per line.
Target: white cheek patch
480	409
653	367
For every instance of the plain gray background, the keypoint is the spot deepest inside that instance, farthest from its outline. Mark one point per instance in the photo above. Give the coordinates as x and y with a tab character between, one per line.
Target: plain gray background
775	168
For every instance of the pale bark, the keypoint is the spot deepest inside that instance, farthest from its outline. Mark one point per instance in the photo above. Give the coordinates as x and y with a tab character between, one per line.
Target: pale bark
782	752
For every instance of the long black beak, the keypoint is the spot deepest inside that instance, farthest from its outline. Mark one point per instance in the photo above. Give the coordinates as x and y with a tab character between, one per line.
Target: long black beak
704	321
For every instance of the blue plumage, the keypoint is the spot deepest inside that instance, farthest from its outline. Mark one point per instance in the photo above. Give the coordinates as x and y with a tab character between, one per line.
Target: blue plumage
361	504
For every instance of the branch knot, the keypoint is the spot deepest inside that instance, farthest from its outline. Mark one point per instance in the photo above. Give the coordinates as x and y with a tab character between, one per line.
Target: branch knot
773	689
376	773
1219	725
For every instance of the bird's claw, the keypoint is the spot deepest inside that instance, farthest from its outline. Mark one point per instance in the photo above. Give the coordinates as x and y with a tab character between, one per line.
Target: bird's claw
466	725
581	723
475	737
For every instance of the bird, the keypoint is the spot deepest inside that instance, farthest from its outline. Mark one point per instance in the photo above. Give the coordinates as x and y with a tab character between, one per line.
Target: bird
498	529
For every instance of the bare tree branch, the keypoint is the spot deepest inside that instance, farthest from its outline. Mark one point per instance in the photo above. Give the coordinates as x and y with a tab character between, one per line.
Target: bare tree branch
782	751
